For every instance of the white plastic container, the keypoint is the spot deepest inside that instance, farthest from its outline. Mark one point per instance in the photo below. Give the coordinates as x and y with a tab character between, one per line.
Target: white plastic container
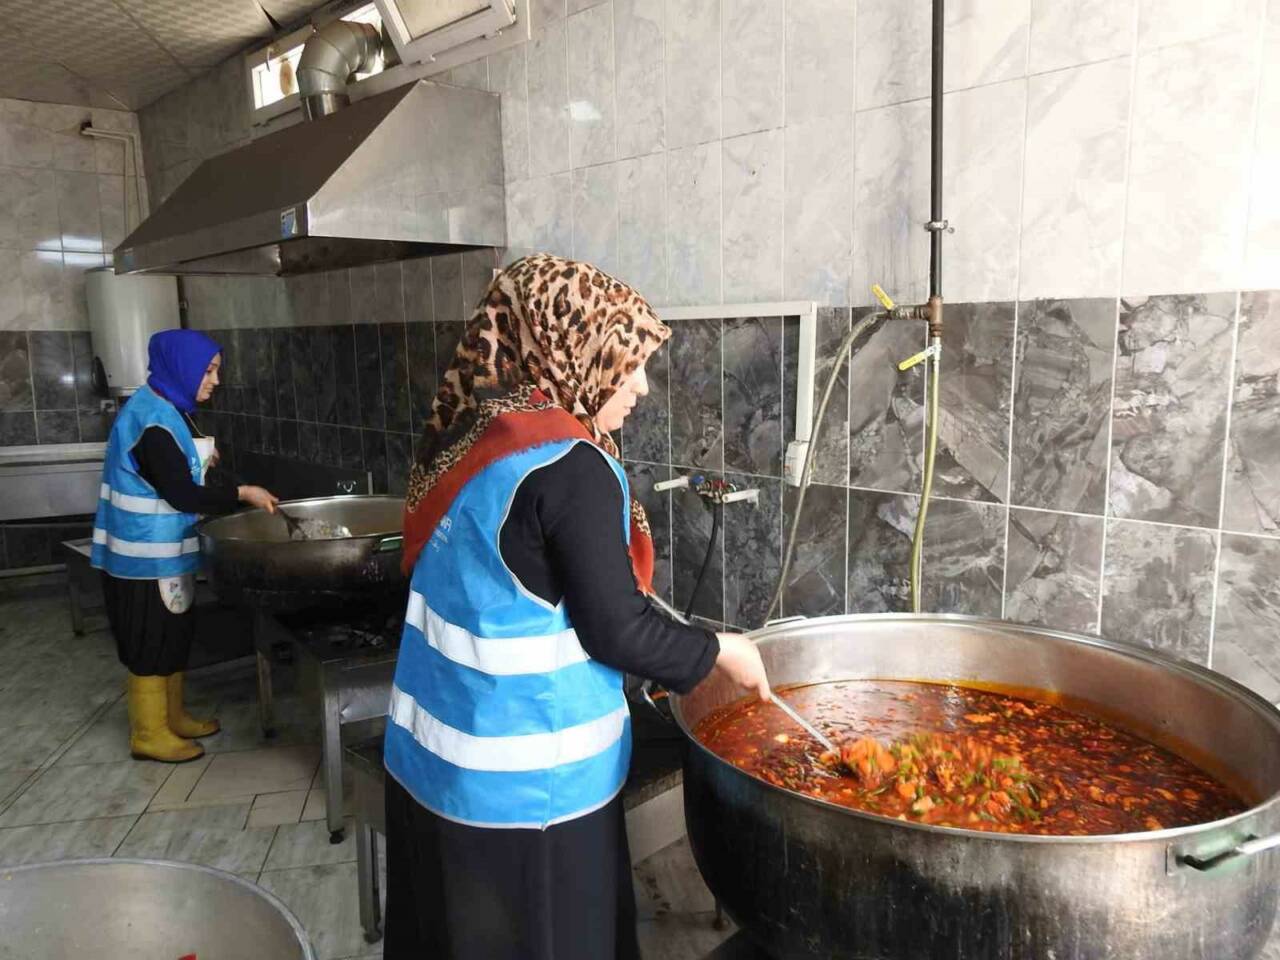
124	311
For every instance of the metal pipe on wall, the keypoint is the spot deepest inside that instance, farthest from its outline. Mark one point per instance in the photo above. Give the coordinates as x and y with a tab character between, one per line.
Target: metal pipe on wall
936	223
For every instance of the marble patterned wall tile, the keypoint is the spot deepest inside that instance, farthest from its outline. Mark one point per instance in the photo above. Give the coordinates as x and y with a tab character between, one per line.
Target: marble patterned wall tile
831	462
446	289
591	92
964	558
987	42
638	28
1190	149
422	372
373	415
395	376
691	533
44	290
1054	570
642	225
53	375
641	477
1252	496
697	410
57	426
973	427
549	123
1248	617
821	46
1067	33
753	396
375	458
17	429
1078	134
886	411
1062	403
1169	415
818	209
399	460
983	168
508	77
12	301
893	51
752	35
345	378
282	362
694	225
816	581
79	211
753	551
389	295
1163	23
416	292
891	200
692	72
595	215
539	217
1262	252
1157	587
544	11
879	565
646	434
304	380
15	373
752	210
323	372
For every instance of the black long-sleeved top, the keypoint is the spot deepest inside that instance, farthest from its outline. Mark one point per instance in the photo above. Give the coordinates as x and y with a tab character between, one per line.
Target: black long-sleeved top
162	464
563	539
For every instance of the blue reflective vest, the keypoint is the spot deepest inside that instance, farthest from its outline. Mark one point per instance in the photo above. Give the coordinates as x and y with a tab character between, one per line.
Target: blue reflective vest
498	717
137	535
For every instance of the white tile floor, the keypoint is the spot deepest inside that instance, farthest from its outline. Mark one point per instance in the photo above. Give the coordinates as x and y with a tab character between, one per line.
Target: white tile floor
69	790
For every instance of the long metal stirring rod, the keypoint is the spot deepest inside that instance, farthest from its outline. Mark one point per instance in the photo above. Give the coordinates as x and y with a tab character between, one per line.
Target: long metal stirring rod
809	728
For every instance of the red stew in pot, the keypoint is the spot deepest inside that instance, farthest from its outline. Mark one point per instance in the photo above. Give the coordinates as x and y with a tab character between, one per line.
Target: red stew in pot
964	757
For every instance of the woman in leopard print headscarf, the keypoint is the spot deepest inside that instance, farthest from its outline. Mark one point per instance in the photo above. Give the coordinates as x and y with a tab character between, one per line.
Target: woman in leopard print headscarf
508	735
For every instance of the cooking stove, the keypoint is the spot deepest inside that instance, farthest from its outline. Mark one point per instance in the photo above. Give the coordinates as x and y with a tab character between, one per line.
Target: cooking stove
347	655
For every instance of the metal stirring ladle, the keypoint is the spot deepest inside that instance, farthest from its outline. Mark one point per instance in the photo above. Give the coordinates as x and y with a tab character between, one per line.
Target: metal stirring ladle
808	727
293	523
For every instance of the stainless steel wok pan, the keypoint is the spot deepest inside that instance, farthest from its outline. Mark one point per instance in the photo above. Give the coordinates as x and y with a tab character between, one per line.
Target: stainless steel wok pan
250	558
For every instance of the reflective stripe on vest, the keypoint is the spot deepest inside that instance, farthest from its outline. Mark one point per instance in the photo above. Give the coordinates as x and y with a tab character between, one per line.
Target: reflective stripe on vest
498	717
137	535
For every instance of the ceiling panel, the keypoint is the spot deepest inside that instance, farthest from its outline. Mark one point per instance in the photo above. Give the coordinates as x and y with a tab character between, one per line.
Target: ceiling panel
194	34
126	52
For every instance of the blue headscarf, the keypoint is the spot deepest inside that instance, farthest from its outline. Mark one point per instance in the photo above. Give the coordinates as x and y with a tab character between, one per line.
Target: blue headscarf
177	361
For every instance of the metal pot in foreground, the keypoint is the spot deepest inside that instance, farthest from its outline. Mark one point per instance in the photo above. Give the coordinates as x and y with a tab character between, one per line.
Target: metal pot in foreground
810	879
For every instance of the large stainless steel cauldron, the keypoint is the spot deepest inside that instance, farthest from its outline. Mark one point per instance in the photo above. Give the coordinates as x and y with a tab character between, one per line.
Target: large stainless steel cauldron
250	558
810	879
132	909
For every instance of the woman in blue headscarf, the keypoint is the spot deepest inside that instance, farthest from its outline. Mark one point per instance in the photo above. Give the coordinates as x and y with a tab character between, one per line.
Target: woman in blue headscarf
144	539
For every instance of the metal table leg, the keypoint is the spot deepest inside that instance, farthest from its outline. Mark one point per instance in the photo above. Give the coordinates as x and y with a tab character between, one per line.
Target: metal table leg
77	610
331	735
266	710
367	870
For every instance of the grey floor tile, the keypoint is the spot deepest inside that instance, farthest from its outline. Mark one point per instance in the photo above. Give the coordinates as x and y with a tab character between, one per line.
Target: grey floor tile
106	740
247	773
213	836
669	882
27	747
87	792
10	780
324	899
62	841
307	845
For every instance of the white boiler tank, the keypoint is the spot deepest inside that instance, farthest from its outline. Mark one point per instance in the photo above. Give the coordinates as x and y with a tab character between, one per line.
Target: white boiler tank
124	311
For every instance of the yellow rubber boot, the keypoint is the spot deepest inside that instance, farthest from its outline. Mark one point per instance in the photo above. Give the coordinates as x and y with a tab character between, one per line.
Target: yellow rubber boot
181	722
149	735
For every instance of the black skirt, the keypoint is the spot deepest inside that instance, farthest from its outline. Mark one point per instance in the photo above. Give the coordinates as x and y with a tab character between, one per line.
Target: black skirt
150	640
457	892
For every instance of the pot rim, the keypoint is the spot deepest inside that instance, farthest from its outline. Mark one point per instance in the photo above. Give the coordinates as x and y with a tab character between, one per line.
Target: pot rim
204	527
1202	674
299	931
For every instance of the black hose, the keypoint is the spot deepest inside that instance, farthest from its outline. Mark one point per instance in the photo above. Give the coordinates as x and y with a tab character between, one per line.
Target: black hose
717	513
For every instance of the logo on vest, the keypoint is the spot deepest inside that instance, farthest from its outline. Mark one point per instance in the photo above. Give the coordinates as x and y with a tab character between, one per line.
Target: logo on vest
441	537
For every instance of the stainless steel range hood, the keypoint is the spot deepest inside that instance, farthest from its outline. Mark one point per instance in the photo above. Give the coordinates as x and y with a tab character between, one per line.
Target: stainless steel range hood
408	173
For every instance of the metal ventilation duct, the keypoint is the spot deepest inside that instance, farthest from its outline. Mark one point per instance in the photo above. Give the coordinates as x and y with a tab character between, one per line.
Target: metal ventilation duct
330	58
408	173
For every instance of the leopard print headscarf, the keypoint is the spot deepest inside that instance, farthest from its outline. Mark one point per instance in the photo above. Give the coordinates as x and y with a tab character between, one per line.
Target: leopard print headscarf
564	328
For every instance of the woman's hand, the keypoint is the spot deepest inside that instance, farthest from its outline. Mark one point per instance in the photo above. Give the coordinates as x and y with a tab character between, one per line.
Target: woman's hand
740	661
258	497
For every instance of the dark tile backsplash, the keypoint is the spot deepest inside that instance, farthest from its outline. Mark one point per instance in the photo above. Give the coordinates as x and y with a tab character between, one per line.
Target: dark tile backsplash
46	389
